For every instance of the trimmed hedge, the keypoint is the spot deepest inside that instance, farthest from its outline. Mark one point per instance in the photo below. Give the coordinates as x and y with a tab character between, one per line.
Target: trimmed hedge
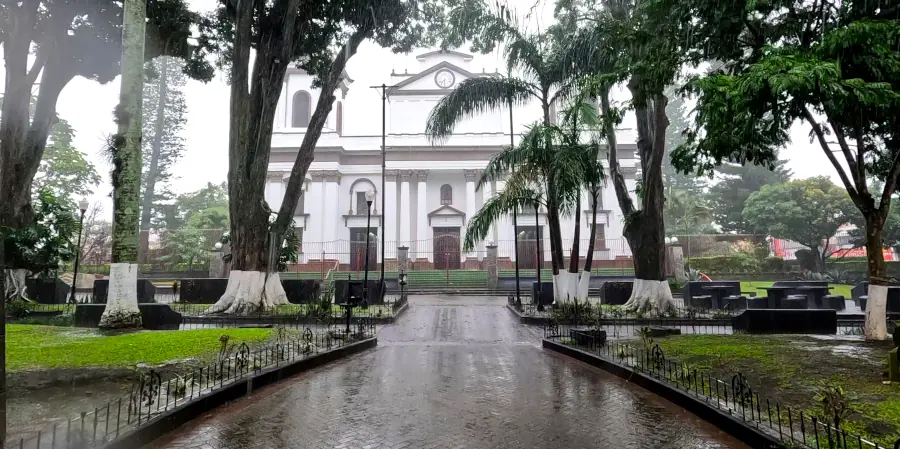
737	263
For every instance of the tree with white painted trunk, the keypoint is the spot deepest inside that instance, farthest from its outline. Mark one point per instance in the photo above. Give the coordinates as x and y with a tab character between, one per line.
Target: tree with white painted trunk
544	173
546	153
319	37
121	310
832	69
616	46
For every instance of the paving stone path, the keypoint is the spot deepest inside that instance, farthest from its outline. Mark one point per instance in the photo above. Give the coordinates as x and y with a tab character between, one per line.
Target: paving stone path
452	373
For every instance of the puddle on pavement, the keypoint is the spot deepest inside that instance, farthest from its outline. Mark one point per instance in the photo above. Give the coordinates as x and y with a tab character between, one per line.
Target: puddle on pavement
31	411
844	345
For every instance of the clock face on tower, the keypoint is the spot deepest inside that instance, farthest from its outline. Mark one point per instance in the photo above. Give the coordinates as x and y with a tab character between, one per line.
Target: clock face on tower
444	79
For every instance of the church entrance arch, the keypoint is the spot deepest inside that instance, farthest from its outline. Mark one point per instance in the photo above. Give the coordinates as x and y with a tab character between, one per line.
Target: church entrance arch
447	248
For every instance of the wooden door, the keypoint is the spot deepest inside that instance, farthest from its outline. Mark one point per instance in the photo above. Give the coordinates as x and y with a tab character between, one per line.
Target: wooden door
358	249
528	237
446	248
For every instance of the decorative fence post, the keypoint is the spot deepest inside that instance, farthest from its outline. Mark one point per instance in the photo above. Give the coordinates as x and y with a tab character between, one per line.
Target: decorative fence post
491	265
402	259
216	264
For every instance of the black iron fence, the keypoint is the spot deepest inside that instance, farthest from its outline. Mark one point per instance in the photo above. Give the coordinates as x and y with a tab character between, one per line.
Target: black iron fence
196	316
155	394
733	395
618	322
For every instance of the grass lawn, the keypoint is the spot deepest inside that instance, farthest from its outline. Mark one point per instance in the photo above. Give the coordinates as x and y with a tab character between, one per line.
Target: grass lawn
754	286
791	369
44	347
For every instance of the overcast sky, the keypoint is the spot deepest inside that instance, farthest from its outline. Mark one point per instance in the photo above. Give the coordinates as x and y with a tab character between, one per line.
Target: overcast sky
88	106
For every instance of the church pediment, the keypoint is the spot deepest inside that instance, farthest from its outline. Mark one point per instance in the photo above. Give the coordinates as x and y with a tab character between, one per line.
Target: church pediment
439	79
446	216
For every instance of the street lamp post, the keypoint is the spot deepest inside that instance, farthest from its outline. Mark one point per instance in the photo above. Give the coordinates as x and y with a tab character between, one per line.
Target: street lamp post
540	258
82	206
370	196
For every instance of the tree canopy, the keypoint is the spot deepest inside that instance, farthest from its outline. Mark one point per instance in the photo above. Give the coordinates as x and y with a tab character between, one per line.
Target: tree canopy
736	182
807	211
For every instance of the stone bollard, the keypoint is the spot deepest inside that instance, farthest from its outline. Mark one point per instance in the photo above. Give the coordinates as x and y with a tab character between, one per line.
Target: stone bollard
402	259
216	264
491	265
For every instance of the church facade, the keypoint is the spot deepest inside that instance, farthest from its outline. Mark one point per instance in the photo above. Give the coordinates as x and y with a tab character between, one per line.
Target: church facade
428	193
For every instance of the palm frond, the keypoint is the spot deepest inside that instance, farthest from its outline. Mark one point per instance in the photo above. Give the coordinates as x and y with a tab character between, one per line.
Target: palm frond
472	97
493	210
524	53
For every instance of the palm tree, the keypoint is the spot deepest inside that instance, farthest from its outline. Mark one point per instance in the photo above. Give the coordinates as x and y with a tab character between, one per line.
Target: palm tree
546	79
685	212
527	185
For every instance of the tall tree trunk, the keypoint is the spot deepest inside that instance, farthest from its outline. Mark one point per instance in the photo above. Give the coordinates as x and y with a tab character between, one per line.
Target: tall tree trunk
121	306
575	255
251	287
584	284
875	327
155	150
644	228
305	154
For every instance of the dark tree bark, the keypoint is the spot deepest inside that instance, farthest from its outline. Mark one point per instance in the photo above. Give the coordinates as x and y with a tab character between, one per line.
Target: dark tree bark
250	129
589	258
644	229
153	169
574	256
305	154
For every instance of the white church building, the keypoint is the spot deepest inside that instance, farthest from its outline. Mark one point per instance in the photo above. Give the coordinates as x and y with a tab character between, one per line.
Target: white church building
429	190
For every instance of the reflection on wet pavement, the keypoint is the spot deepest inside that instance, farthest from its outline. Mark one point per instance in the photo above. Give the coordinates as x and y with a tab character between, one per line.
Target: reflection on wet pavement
452	374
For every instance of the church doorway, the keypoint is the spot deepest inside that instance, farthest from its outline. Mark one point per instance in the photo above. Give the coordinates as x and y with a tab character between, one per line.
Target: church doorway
446	248
358	249
528	246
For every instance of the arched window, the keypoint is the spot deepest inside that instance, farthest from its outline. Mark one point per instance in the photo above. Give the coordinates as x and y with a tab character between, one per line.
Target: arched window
301	106
339	119
446	195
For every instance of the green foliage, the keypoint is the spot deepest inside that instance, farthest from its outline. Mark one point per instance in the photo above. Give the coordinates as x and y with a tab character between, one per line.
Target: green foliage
690	184
737	263
807	211
835	69
162	143
729	195
47	242
64	170
687	213
835	404
210	202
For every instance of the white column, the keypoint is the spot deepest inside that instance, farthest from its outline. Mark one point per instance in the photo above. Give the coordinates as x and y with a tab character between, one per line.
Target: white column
423	243
314	233
405	217
389	213
470	198
504	230
332	190
487	191
274	190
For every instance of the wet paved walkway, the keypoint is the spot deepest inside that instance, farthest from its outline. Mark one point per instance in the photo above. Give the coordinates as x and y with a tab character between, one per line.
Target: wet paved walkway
452	373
